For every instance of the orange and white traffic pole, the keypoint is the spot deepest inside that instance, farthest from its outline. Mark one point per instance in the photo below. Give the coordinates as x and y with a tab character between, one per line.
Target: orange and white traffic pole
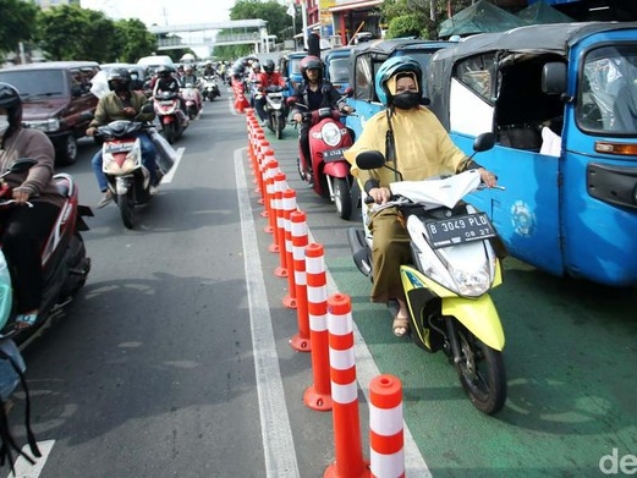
289	205
386	439
318	395
301	341
349	461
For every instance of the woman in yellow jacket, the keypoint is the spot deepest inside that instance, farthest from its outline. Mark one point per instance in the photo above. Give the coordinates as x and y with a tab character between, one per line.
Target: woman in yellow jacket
416	144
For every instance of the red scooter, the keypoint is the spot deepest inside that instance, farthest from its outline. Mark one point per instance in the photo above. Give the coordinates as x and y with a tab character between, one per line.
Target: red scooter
173	121
329	174
65	265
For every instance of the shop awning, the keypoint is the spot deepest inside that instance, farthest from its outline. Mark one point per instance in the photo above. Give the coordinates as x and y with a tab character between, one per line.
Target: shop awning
344	7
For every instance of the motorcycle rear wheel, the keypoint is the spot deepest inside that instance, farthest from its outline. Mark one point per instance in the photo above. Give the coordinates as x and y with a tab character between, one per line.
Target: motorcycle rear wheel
126	210
342	198
280	126
169	133
481	372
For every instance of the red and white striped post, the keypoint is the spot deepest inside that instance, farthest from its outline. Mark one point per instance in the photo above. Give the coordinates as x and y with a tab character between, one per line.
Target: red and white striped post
319	395
349	461
386	440
263	159
271	169
289	205
301	341
279	244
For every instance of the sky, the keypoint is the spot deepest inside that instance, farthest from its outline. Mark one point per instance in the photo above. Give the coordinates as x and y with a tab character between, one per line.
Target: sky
162	12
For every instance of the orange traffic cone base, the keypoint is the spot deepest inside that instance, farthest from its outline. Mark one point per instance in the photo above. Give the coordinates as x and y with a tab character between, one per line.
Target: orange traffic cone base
317	401
333	472
281	272
289	302
300	344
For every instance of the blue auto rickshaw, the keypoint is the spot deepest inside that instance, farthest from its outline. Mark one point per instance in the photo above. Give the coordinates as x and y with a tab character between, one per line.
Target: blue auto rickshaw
366	58
290	69
337	67
562	102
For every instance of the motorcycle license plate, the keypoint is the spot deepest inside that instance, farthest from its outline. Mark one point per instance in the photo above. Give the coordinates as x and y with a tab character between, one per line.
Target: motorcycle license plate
113	148
459	229
333	154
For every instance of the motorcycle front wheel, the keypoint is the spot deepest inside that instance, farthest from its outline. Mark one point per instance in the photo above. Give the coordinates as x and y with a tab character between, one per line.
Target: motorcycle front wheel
342	198
125	204
481	372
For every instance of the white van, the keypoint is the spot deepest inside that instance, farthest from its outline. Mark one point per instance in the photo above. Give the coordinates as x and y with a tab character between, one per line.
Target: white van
152	62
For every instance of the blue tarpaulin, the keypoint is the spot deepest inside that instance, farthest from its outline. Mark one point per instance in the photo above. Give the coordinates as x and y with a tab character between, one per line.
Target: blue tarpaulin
552	2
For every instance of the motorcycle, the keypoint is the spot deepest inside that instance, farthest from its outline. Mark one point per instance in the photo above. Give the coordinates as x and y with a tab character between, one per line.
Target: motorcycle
454	266
276	109
172	119
192	97
65	265
128	179
328	172
210	88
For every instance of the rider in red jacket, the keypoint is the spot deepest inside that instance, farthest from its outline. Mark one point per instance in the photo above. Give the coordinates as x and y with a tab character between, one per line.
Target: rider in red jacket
267	78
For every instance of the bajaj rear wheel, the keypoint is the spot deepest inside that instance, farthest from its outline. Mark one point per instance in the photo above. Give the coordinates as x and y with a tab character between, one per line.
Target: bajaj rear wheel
481	372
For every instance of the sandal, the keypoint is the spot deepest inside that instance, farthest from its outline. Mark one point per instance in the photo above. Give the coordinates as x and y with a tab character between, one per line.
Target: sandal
400	326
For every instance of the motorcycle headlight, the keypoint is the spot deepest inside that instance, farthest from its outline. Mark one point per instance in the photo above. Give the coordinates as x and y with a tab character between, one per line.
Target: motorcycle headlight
331	134
472	284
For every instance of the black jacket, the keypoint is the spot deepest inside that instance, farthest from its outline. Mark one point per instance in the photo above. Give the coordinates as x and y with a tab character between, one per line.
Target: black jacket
330	97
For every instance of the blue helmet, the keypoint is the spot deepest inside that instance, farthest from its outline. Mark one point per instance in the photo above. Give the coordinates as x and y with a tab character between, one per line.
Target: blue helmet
389	68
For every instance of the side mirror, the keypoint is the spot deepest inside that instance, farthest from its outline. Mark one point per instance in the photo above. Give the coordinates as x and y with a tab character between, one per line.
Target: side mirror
349	92
370	160
86	116
76	91
484	142
22	164
147	108
554	78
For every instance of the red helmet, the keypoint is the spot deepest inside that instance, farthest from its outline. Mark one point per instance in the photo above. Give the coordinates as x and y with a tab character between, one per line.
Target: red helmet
311	63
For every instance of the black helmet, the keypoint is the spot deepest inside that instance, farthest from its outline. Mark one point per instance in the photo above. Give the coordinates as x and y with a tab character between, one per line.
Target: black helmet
118	77
268	66
11	101
311	63
164	71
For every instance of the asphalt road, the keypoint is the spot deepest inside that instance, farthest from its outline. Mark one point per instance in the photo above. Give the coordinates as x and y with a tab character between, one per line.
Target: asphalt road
174	360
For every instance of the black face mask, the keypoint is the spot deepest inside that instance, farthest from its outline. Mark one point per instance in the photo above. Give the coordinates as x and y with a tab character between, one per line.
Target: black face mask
406	101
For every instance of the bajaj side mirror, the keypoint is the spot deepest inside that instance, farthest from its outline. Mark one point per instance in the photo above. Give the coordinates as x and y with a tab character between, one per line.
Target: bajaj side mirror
554	78
484	142
370	160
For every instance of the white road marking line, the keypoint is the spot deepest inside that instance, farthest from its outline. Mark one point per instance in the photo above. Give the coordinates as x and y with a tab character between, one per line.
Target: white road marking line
168	177
24	469
276	434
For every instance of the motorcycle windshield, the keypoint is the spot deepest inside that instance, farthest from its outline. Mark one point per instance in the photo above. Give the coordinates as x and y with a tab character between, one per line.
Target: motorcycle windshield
436	192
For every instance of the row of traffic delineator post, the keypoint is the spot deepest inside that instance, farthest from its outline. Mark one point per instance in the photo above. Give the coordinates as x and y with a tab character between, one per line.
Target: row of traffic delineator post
325	329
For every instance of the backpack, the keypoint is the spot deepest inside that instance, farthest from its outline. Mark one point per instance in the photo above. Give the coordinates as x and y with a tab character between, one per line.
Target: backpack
12	369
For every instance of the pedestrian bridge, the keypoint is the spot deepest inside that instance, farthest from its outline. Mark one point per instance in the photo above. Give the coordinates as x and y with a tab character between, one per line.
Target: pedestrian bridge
235	32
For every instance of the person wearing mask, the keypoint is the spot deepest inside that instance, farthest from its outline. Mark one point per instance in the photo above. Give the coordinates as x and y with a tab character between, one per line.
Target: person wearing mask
415	143
25	228
314	92
266	79
208	69
122	104
166	81
189	77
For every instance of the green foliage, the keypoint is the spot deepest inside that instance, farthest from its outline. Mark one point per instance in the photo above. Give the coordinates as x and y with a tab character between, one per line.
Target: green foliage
271	11
404	26
16	23
232	52
132	40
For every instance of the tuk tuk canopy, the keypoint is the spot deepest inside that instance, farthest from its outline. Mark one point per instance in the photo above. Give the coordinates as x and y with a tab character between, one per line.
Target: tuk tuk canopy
541	12
481	17
501	48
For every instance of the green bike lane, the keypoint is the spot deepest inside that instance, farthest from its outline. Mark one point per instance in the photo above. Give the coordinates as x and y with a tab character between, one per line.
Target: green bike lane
571	362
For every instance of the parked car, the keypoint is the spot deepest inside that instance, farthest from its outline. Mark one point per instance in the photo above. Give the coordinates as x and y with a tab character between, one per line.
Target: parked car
337	67
54	95
366	58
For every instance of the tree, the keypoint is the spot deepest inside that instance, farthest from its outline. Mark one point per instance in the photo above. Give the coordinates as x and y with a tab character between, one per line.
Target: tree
17	24
425	15
132	40
69	32
274	13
